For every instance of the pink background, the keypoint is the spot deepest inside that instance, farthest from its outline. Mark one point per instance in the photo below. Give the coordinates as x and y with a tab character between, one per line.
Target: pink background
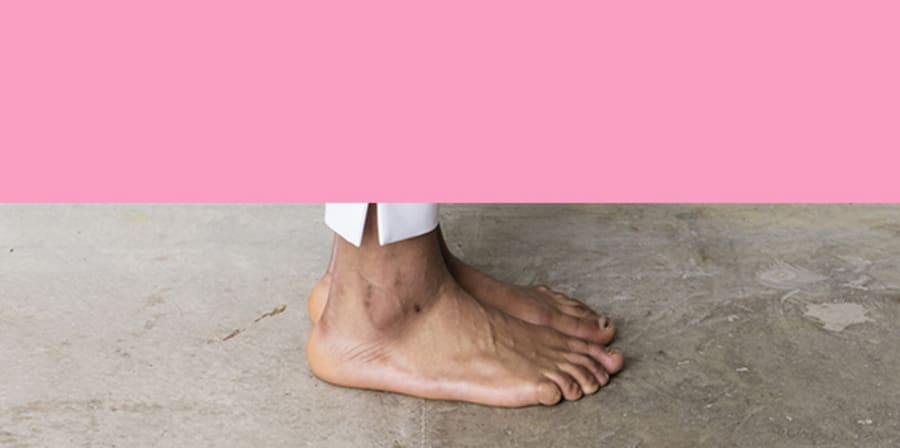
449	101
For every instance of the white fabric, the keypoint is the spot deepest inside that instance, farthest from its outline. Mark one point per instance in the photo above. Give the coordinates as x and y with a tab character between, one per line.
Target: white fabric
396	222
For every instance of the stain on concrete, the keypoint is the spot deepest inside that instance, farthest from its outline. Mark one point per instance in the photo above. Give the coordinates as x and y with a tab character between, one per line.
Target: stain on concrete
856	264
136	217
837	316
782	275
154	299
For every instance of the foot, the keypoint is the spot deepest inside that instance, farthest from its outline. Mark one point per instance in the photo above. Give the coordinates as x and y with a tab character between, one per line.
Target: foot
436	341
396	320
538	304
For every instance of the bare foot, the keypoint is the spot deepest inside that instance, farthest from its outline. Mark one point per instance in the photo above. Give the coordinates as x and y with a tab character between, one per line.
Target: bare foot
396	320
538	305
443	344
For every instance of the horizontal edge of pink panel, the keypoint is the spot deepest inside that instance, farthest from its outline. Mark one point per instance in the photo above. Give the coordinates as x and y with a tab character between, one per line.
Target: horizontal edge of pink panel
696	101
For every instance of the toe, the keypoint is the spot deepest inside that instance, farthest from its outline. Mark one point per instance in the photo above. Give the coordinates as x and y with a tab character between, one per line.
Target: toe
598	330
577	310
586	380
567	385
603	378
611	359
591	364
563	299
608	328
548	393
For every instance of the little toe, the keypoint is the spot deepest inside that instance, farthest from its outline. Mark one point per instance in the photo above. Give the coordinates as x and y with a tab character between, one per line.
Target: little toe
570	388
548	393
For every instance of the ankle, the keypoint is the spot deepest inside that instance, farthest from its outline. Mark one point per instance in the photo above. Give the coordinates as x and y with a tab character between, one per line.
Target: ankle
379	306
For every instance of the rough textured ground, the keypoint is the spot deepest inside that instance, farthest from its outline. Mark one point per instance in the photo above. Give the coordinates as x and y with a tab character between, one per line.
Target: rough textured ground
743	326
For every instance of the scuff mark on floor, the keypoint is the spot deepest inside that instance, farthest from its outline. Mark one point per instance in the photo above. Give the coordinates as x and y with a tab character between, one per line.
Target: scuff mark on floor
232	334
277	310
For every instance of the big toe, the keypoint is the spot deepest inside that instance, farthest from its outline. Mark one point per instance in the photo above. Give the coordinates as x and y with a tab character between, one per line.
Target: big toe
600	330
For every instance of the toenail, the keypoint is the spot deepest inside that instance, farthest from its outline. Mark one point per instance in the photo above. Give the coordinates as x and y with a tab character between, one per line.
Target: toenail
604	322
612	351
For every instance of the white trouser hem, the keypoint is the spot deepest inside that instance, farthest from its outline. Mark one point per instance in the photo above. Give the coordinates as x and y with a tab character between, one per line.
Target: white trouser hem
396	221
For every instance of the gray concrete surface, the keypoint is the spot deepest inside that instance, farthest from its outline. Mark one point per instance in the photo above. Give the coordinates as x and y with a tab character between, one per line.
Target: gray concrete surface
746	326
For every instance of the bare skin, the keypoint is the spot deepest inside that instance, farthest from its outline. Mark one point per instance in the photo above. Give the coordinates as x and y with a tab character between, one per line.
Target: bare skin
395	319
537	304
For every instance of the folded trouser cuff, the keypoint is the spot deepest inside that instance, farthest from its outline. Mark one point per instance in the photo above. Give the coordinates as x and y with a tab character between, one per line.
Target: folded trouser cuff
396	221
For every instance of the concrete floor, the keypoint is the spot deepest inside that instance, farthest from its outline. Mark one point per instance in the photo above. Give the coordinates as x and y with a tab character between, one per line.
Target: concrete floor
742	325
